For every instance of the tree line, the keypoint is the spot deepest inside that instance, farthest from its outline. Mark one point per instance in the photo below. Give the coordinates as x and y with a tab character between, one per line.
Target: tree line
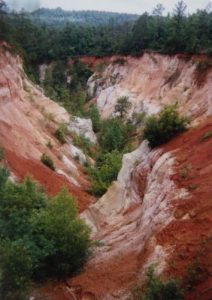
173	33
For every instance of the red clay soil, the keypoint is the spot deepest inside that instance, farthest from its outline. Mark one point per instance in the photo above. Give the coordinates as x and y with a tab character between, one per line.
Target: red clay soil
93	61
190	235
51	181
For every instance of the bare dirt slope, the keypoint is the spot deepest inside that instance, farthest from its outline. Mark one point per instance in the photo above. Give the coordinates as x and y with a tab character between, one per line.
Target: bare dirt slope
28	121
168	222
159	209
152	81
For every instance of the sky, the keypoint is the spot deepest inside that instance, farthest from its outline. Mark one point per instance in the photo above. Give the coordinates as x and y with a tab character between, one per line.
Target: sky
129	6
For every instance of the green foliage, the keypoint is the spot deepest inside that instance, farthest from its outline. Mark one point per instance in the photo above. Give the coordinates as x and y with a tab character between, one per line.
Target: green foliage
106	171
40	237
17	204
159	290
49	144
161	129
2	153
59	17
95	117
66	84
47	161
67	237
114	140
114	135
61	133
139	118
83	143
122	106
15	271
125	34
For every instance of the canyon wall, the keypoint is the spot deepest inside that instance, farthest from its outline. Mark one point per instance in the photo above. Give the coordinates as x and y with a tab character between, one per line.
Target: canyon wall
152	81
159	209
28	122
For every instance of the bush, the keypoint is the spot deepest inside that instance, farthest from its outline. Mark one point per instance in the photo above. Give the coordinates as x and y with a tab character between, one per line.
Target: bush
15	270
47	161
83	143
158	290
95	117
40	237
122	106
61	133
65	236
161	129
113	135
106	171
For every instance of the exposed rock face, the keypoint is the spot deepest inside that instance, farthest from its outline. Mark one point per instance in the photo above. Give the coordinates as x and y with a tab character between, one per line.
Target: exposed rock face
151	82
153	214
28	121
158	210
128	217
83	127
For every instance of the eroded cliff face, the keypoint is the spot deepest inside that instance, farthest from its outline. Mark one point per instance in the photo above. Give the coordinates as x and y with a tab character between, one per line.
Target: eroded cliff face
153	81
157	212
28	121
159	209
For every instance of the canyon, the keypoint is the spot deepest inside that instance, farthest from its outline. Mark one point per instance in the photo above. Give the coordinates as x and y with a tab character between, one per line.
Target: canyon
159	210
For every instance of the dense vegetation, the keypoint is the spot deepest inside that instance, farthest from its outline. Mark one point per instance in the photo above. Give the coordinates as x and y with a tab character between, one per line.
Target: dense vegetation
114	137
59	17
160	129
176	32
156	289
40	237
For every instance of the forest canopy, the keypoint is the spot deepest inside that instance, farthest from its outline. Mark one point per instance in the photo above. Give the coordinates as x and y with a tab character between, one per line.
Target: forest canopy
99	34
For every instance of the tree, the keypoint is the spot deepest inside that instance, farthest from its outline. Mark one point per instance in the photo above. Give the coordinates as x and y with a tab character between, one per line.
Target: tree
2	4
113	135
15	271
161	129
179	11
158	290
106	171
68	237
40	237
122	106
140	34
158	10
95	117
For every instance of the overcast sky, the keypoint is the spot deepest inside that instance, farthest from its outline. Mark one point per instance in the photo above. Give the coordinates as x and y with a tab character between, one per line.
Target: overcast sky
130	6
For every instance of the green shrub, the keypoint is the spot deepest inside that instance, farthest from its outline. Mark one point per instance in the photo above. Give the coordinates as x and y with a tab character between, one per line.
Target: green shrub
15	271
95	118
161	129
114	135
106	171
83	143
40	237
122	106
158	290
61	133
47	161
49	144
64	235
